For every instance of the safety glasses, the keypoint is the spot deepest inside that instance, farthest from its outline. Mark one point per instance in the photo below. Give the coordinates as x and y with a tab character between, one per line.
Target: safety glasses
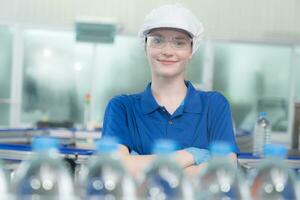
177	43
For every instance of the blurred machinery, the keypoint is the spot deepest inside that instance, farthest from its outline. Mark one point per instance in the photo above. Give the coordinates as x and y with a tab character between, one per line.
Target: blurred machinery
296	128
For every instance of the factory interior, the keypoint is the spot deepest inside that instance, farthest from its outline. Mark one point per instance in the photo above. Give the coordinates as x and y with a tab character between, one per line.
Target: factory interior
63	61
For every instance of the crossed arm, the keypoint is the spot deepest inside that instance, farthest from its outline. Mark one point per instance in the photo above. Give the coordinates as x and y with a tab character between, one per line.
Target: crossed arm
135	164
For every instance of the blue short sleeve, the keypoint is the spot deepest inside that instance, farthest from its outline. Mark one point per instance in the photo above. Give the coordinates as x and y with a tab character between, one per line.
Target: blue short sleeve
220	123
115	121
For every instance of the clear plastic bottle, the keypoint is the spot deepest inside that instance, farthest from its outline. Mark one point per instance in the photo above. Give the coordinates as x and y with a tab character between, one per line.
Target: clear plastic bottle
273	180
222	179
4	184
298	187
105	178
164	179
262	134
44	176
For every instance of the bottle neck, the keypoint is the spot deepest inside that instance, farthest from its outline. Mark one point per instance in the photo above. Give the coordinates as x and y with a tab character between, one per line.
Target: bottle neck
109	155
50	153
224	160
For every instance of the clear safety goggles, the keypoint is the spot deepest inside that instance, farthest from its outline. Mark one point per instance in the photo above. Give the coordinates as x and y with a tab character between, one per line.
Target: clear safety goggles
177	43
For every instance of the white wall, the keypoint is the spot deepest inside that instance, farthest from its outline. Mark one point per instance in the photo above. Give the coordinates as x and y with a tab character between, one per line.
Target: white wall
249	20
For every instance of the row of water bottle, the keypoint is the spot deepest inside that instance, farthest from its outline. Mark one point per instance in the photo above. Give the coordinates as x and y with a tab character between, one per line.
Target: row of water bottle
45	177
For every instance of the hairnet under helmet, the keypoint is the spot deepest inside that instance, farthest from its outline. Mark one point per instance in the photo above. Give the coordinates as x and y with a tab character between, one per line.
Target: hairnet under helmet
173	16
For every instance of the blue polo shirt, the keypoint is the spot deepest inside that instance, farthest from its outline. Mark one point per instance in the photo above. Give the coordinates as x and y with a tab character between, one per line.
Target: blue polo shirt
137	120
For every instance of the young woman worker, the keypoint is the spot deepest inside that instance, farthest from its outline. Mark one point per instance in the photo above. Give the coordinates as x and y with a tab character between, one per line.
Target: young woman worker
170	107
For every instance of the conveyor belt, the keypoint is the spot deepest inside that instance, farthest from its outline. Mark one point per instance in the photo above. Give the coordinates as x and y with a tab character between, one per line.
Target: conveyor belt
249	161
11	151
19	152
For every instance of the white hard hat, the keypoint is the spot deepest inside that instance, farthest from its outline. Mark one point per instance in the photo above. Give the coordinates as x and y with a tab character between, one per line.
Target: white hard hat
173	16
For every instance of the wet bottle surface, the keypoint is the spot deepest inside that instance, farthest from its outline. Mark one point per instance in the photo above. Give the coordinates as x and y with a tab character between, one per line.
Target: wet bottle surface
44	176
105	178
4	183
222	178
273	179
164	179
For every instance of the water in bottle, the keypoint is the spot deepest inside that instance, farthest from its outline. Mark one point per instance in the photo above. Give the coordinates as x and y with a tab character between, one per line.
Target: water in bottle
164	179
222	179
44	176
4	184
273	179
105	178
262	134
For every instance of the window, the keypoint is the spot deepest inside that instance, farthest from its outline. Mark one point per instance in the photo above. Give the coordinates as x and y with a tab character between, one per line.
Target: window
254	78
297	64
5	73
58	72
49	91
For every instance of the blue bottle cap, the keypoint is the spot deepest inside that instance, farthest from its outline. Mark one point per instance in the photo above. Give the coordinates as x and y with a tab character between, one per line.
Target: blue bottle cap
263	114
275	150
220	148
107	144
44	143
164	146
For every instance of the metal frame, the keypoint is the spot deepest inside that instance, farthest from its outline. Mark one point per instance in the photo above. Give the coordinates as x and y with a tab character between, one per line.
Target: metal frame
16	77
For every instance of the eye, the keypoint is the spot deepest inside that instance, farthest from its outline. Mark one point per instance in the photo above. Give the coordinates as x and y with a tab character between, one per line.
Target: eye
179	42
157	40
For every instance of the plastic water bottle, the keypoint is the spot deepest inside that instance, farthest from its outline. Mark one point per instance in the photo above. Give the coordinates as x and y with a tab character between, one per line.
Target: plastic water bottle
105	178
4	184
298	187
273	179
44	177
262	134
164	179
222	179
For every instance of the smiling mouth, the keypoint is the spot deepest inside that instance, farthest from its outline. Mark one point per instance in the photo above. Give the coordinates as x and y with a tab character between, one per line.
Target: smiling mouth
167	62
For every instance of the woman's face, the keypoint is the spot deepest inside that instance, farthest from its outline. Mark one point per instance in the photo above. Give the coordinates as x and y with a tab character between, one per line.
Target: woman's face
168	51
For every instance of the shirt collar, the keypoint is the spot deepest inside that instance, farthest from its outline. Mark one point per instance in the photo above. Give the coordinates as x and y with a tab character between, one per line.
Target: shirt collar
192	102
148	102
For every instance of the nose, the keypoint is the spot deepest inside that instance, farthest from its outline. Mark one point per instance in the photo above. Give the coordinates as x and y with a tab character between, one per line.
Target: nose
167	49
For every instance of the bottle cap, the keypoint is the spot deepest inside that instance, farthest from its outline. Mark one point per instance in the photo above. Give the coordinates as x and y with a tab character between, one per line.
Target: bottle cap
263	114
107	145
220	148
44	143
275	150
164	146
